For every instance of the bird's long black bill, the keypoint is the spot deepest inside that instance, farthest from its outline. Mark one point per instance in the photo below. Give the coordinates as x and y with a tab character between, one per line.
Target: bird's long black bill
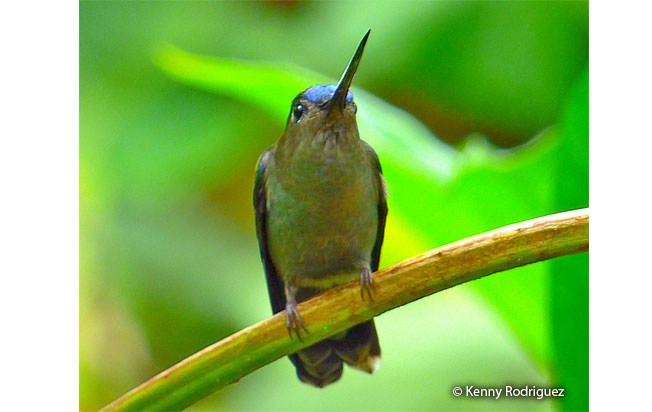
339	97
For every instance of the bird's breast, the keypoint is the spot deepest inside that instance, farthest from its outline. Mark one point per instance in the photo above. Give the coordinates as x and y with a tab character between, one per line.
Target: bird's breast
323	219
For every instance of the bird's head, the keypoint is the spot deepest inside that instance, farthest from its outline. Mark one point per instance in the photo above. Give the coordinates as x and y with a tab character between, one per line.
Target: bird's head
327	112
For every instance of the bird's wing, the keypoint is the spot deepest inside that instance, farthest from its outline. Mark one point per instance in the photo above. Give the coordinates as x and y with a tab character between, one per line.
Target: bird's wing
274	282
382	206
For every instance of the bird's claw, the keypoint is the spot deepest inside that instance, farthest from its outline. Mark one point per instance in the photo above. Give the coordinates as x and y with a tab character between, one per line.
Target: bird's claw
367	284
294	321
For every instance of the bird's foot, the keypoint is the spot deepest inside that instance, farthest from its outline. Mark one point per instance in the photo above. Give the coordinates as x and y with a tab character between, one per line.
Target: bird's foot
367	284
294	321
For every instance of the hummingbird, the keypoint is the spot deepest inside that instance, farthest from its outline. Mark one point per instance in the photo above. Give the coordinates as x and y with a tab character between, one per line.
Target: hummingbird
320	203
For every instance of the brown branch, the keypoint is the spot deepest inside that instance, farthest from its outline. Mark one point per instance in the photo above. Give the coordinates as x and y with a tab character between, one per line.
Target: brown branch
338	309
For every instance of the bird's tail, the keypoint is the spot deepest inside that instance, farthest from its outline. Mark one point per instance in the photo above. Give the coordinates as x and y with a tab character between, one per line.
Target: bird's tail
321	364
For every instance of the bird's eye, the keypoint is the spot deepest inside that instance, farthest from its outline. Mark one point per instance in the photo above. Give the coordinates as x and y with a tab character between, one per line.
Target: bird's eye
355	108
298	112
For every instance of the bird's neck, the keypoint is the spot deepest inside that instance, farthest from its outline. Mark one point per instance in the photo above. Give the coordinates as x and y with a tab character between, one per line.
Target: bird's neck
318	162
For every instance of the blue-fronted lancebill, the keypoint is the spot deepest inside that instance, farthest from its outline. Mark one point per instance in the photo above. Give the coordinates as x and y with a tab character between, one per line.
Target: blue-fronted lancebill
320	208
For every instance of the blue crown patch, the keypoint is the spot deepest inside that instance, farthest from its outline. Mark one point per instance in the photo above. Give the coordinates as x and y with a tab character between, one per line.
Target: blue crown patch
323	92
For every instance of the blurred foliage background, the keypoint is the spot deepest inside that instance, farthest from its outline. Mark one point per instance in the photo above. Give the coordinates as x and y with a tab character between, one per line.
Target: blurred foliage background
497	133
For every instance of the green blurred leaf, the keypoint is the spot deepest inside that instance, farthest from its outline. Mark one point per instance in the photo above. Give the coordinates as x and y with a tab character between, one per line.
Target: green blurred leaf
569	299
437	193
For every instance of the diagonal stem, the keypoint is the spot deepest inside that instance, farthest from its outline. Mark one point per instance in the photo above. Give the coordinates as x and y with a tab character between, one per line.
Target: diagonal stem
338	309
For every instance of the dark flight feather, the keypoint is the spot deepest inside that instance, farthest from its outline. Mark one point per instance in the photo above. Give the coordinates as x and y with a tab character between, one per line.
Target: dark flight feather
274	283
382	207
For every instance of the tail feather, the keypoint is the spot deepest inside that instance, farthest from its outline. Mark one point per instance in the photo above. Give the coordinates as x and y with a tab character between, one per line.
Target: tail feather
360	348
322	363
